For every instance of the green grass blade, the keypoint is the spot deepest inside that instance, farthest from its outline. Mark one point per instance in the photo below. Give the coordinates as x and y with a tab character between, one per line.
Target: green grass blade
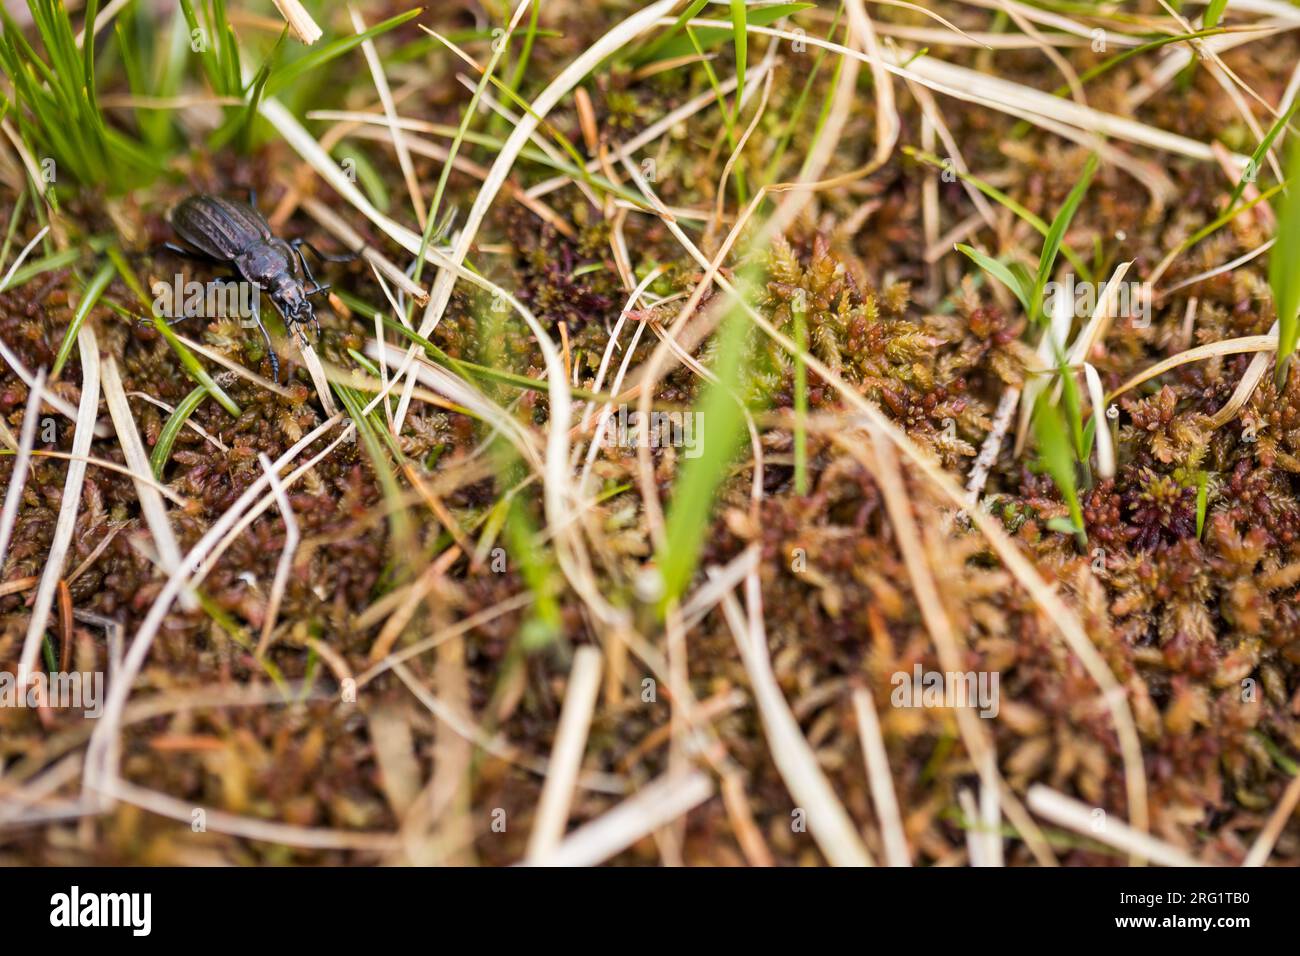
1002	199
249	118
464	368
14	217
56	260
800	404
1056	235
1283	277
378	443
1057	459
566	144
545	623
335	48
98	283
1074	412
720	431
525	54
1257	157
728	117
1227	217
207	53
435	205
710	37
740	39
88	58
368	177
195	368
162	449
192	365
650	51
128	275
1213	12
796	112
1001	272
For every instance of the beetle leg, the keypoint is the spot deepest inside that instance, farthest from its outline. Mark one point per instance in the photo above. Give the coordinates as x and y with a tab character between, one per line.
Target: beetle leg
315	322
270	352
297	326
346	257
297	245
299	333
306	269
275	361
148	323
186	253
257	320
302	263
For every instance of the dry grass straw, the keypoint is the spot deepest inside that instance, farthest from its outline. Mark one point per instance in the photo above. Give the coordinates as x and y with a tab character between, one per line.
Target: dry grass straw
566	755
660	127
234	367
423	147
1072	814
137	459
18	477
390	113
55	401
250	828
291	539
1015	99
827	820
658	803
69	504
1264	344
569	77
193	426
22	257
299	20
353	241
494	744
1267	839
882	784
102	758
884	467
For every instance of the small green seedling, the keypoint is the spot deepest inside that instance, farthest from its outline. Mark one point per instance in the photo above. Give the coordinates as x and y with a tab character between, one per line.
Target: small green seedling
1056	457
1015	276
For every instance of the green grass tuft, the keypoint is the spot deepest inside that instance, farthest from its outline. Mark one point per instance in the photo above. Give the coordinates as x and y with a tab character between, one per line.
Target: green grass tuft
59	114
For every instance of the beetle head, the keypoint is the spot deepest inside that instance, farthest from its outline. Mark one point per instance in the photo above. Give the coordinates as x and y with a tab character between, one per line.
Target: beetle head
294	306
287	294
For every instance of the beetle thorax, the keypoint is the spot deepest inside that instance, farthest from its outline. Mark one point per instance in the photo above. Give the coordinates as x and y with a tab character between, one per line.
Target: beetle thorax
265	265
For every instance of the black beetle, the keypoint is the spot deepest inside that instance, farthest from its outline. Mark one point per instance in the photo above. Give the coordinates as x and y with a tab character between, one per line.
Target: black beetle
234	233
